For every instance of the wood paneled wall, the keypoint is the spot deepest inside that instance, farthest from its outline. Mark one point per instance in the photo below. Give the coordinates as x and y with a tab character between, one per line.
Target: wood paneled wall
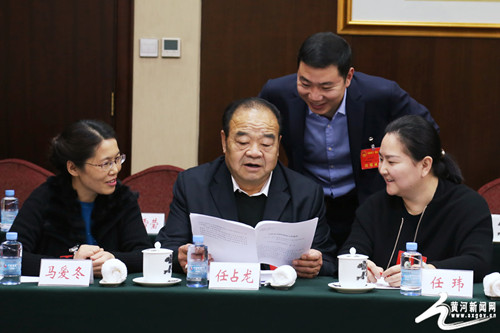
247	42
60	61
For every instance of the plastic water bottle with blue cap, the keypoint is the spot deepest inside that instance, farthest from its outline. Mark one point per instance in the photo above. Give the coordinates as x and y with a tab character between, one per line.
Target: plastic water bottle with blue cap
11	253
411	271
197	263
9	207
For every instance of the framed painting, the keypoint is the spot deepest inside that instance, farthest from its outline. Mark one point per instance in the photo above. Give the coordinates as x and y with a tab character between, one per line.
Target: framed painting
451	18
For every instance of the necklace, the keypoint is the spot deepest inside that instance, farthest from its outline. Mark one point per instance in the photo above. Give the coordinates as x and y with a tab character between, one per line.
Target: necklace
399	233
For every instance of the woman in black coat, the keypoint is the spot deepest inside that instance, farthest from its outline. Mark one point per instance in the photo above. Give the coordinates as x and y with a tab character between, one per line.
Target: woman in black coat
83	212
424	202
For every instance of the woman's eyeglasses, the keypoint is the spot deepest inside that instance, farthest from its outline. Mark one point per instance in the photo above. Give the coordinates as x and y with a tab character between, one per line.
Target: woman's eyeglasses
106	166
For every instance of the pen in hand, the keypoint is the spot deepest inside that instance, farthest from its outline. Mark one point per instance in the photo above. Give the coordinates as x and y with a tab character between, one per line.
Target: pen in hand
375	275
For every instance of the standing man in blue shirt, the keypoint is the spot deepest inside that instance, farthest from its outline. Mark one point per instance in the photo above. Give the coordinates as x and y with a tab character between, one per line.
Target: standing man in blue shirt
333	123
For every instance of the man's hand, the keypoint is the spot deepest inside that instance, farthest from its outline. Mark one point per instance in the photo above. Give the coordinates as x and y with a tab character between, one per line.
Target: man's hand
309	264
182	254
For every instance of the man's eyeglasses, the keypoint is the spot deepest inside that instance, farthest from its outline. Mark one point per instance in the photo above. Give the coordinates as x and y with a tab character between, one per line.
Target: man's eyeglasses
106	166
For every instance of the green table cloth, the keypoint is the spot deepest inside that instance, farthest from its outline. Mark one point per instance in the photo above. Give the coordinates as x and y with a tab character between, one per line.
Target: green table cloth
309	306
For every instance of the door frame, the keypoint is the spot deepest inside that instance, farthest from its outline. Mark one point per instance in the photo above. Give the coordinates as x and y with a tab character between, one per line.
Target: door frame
124	79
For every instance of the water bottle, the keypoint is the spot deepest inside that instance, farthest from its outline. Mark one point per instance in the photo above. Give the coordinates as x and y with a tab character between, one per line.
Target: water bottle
411	271
9	210
197	267
11	253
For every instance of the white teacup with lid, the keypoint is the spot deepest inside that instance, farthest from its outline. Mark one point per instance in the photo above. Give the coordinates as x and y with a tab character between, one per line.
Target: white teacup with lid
352	270
157	264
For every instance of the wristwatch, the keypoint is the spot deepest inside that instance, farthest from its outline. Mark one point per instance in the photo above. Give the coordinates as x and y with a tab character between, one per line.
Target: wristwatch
74	249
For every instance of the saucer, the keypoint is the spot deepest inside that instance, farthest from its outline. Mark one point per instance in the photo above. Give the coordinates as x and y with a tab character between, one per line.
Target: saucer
110	284
337	287
143	282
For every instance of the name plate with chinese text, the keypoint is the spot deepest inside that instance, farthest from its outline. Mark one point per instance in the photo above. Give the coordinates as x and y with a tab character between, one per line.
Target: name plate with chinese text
495	218
450	281
153	222
66	272
236	276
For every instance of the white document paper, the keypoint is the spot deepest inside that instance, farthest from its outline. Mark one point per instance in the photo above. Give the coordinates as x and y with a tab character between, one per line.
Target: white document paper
29	279
496	227
382	284
270	242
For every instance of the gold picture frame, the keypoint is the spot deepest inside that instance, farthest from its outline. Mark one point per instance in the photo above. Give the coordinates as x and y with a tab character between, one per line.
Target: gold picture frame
346	25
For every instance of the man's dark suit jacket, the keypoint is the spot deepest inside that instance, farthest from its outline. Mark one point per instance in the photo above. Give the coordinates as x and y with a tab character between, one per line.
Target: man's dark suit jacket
371	104
208	189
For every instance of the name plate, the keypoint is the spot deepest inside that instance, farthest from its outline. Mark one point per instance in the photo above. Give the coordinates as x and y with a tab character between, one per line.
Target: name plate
450	281
153	222
66	272
236	276
495	218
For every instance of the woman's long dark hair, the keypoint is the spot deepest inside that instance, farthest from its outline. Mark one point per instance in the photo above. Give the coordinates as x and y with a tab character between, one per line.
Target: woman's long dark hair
421	139
77	143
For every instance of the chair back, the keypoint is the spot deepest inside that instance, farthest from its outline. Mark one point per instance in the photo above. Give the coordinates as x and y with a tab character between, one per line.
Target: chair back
21	176
491	193
155	186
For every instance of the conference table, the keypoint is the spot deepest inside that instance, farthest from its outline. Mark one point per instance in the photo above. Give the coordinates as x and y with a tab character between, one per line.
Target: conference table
309	306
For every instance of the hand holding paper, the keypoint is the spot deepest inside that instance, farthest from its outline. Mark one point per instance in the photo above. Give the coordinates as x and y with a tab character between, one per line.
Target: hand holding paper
309	264
270	242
